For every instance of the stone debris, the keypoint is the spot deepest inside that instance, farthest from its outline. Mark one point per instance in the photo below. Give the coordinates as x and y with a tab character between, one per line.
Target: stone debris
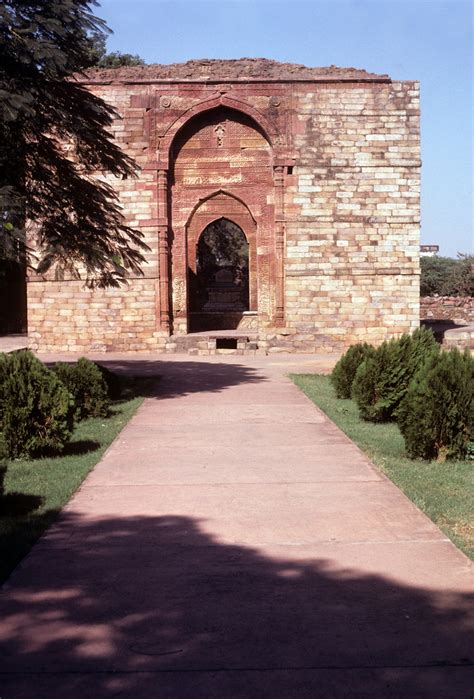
255	69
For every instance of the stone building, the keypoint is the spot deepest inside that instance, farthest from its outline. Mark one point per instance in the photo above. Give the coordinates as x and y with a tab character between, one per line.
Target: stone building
310	175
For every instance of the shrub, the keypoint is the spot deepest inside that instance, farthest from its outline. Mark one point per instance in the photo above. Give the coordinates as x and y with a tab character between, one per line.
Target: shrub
382	380
87	386
436	417
37	408
343	374
3	464
3	375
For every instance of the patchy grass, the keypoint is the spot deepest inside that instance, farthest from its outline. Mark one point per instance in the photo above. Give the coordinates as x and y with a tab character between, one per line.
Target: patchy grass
445	492
35	490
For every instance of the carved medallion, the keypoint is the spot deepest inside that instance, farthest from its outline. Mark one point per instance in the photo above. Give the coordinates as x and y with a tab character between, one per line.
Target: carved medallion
219	130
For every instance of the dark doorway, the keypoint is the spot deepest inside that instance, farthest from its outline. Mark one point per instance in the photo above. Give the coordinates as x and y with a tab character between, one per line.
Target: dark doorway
219	290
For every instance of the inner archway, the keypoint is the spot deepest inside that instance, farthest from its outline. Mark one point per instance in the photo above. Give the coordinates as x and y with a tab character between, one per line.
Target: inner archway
219	287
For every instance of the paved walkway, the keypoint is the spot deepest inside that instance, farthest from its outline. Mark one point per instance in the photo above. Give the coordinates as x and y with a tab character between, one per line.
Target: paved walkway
234	543
10	343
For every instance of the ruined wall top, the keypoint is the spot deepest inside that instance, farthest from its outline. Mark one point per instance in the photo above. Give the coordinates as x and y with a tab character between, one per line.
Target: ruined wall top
233	70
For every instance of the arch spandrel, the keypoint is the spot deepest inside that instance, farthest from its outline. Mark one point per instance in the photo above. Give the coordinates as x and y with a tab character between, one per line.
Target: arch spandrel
167	139
224	196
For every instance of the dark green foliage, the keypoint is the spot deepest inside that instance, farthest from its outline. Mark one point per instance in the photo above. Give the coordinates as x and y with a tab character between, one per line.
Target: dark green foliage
369	384
37	407
444	276
85	383
436	416
117	59
382	380
3	463
343	374
99	58
79	221
3	376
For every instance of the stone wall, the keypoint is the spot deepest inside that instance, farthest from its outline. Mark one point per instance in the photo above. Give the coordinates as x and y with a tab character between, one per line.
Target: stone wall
353	215
457	309
319	167
65	316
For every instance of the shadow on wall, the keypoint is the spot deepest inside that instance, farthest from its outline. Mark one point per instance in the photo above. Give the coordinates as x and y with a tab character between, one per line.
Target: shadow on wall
155	606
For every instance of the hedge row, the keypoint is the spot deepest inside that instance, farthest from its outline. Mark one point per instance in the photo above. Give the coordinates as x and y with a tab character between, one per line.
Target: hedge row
427	391
38	406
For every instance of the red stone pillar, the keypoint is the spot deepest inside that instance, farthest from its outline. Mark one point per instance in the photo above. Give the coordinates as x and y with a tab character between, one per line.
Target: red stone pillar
279	180
163	252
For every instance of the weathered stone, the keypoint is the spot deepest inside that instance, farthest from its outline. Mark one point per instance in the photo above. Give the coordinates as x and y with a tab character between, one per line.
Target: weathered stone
318	166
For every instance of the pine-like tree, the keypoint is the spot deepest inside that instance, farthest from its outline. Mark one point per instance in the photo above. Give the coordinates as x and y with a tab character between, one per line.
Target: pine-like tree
343	374
382	380
436	416
77	218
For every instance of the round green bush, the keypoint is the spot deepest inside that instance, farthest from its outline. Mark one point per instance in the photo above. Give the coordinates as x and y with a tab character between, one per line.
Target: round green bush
3	463
37	408
4	370
86	383
382	380
343	374
368	383
436	417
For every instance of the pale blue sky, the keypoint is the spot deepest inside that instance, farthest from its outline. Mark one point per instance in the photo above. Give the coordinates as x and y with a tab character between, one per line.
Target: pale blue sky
426	40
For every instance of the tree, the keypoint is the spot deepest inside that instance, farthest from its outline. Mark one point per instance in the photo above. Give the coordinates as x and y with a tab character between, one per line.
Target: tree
99	58
116	59
445	276
54	141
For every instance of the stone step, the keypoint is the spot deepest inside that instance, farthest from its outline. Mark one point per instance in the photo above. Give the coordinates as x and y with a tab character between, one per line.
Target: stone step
218	342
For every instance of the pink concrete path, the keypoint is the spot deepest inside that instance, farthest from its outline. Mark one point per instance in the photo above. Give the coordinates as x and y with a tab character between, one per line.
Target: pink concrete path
234	543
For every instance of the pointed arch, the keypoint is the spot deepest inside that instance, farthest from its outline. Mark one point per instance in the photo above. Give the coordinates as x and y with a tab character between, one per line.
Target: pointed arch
214	195
217	205
166	142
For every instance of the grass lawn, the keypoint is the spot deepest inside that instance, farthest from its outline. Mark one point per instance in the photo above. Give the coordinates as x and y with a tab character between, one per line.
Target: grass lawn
36	490
445	492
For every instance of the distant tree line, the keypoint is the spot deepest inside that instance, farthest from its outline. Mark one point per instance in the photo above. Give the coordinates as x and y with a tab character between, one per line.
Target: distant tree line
98	57
446	276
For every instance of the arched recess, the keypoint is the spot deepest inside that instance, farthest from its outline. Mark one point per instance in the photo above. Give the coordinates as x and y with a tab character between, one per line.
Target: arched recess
168	138
224	205
221	280
221	165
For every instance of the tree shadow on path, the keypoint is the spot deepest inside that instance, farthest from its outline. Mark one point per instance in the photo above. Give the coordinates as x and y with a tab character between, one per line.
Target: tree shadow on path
178	378
156	606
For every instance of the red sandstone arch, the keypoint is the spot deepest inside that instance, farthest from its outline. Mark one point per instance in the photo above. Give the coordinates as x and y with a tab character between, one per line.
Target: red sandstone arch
217	193
238	185
224	205
168	137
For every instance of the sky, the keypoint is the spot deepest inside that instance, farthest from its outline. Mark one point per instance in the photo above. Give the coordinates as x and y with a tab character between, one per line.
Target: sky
426	40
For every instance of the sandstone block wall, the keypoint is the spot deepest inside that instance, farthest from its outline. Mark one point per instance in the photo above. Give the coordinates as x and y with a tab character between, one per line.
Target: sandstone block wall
319	167
353	215
64	316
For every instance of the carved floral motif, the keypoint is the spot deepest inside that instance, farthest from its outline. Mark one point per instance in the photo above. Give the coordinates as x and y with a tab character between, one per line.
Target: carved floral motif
219	130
